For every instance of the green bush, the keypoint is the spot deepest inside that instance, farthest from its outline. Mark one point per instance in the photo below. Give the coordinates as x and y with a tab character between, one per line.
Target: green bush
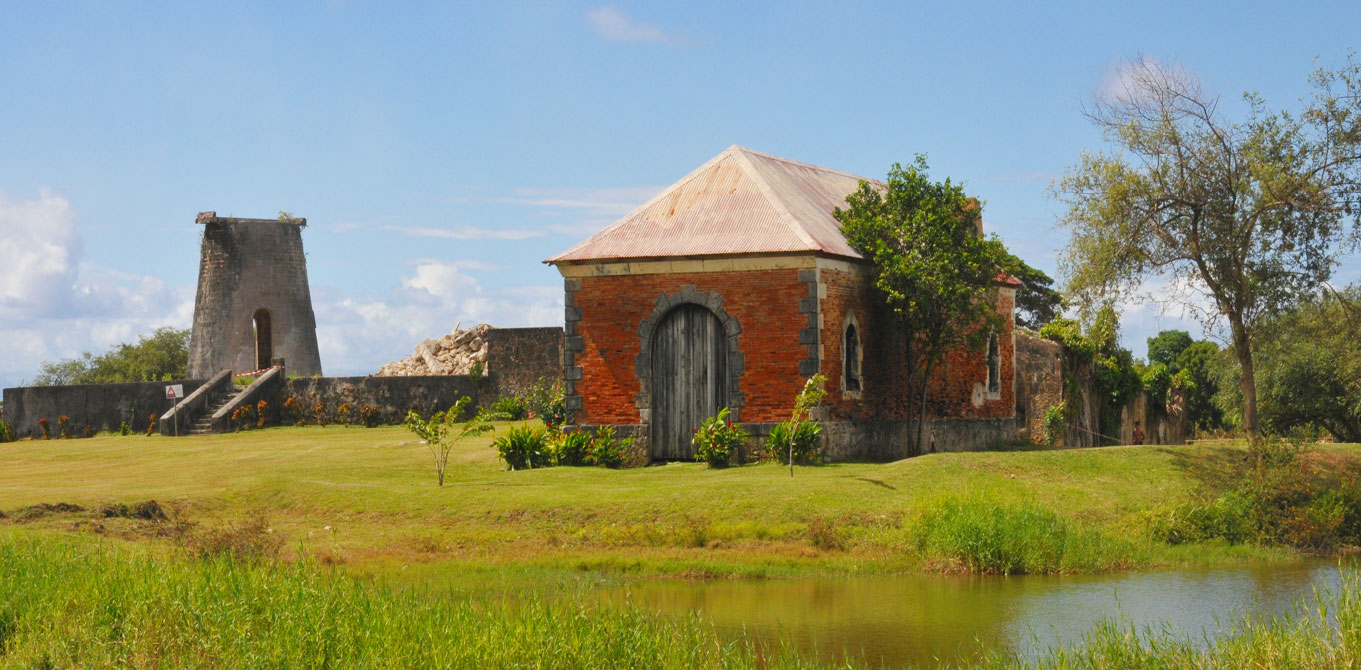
1279	499
718	440
806	437
546	401
988	537
606	450
1055	423
574	448
510	408
523	447
6	435
1228	517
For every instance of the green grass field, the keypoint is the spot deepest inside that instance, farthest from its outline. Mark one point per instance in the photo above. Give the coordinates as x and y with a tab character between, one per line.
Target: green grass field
367	499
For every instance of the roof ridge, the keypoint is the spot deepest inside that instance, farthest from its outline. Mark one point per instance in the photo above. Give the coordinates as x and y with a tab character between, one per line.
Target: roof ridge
791	161
790	221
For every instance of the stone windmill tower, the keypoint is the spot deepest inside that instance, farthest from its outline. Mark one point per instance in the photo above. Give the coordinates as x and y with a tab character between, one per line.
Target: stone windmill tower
253	306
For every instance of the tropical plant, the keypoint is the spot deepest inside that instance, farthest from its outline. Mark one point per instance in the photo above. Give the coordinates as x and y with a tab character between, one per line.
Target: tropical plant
799	440
574	448
718	440
523	447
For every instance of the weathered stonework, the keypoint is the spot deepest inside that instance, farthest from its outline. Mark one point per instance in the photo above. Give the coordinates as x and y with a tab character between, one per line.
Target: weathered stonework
249	268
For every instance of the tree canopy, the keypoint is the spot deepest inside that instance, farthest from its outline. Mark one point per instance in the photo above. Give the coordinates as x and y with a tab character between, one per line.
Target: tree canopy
162	355
1249	214
933	268
1310	367
1037	302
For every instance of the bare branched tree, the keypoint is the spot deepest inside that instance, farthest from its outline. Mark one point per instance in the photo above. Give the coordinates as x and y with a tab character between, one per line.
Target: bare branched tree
1253	214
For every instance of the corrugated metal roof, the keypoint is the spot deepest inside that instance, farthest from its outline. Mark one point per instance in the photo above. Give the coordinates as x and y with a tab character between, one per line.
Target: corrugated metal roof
740	202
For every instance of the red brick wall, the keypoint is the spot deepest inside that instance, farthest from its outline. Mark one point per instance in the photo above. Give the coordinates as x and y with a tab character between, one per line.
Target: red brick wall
884	388
764	302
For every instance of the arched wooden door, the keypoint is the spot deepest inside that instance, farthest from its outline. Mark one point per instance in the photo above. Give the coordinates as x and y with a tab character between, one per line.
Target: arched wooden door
689	378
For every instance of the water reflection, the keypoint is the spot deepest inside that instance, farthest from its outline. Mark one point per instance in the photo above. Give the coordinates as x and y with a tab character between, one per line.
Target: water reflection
901	621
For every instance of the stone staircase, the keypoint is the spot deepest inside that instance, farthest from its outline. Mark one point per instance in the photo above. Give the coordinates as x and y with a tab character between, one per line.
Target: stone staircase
203	425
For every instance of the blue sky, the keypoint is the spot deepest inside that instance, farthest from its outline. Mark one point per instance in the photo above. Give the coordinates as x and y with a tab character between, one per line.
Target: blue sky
441	151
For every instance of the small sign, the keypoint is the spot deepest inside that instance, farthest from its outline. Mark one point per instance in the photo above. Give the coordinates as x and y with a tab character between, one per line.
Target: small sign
174	391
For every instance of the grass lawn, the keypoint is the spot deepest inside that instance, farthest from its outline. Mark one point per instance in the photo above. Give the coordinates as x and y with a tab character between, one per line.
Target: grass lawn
367	499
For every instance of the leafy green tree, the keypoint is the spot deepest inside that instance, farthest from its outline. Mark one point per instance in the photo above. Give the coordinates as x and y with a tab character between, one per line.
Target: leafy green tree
1037	303
1310	367
1251	214
1194	375
934	270
1166	346
162	355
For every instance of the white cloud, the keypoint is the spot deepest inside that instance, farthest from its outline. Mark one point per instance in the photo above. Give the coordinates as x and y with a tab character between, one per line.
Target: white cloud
615	26
1166	304
466	233
357	336
53	305
39	250
614	202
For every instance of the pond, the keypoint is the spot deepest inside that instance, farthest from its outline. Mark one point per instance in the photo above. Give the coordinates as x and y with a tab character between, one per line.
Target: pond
915	620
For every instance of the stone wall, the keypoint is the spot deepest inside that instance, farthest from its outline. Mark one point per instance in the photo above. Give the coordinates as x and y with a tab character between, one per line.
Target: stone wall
519	357
393	396
99	406
246	265
888	440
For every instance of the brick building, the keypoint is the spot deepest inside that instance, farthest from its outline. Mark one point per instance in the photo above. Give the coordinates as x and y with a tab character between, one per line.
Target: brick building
732	287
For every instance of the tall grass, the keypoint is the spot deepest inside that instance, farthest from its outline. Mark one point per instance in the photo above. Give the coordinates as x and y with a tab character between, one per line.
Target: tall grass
991	537
1324	633
72	604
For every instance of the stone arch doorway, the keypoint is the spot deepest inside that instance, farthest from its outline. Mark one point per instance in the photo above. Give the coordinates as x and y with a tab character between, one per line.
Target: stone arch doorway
689	375
264	338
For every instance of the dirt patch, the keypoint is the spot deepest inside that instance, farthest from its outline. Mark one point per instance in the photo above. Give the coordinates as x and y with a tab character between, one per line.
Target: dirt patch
40	510
148	510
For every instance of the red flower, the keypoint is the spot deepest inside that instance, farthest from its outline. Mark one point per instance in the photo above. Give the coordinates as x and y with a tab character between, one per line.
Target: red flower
695	431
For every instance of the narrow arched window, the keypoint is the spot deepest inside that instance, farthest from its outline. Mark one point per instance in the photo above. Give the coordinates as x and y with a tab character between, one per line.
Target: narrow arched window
994	364
851	365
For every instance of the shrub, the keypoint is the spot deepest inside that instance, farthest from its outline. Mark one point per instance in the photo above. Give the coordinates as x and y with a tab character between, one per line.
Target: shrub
343	412
547	402
87	431
1055	423
261	414
123	429
42	423
63	423
717	440
7	435
369	416
824	534
243	417
574	449
319	411
607	450
510	408
984	536
799	440
292	411
522	448
151	424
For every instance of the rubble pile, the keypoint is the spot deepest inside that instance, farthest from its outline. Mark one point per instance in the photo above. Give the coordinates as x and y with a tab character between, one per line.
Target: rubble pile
452	354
